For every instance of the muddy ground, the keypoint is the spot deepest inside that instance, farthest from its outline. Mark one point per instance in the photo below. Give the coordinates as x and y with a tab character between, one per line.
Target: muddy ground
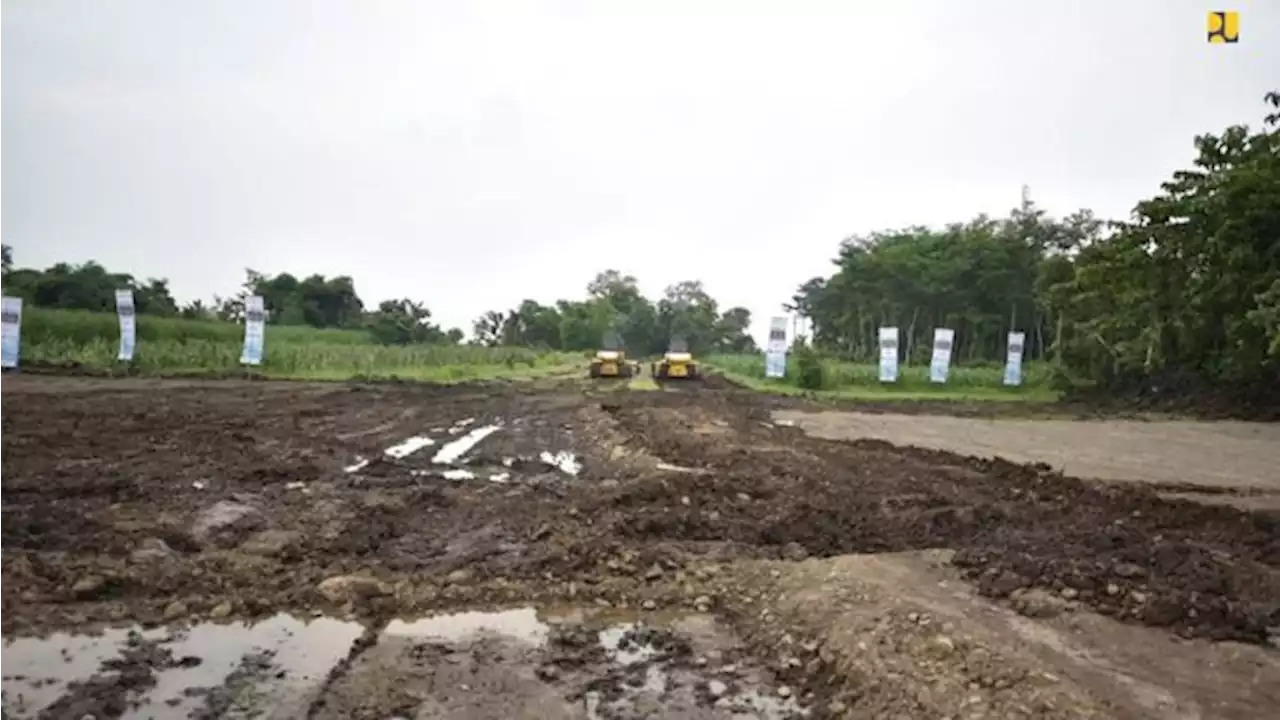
181	506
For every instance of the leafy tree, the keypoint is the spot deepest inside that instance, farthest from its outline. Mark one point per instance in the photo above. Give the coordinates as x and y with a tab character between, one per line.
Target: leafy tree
1186	290
405	322
316	301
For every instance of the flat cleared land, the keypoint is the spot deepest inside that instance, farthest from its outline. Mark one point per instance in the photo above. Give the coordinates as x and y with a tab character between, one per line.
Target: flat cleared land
565	549
1213	454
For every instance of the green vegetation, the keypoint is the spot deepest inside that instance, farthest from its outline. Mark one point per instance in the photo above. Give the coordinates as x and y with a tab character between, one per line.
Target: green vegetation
1185	295
850	379
615	307
198	347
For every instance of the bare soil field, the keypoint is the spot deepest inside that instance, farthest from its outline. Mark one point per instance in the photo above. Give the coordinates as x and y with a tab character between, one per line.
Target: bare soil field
1224	454
553	549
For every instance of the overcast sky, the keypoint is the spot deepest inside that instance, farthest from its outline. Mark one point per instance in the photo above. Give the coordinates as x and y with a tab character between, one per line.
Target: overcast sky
471	154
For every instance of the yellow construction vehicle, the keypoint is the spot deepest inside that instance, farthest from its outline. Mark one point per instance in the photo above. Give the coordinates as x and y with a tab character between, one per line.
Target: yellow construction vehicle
676	363
611	360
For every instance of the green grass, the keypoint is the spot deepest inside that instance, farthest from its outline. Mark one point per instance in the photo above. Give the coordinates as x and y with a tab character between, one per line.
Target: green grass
193	347
862	381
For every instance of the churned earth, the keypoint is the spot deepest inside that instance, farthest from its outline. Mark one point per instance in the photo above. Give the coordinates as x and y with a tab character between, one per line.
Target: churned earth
564	549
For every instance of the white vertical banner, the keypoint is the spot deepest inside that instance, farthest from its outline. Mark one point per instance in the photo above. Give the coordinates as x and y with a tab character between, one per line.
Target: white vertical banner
1013	360
254	330
940	364
10	330
775	356
888	354
128	324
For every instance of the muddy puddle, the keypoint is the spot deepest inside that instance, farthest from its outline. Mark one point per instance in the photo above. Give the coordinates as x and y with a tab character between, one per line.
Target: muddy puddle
570	662
208	669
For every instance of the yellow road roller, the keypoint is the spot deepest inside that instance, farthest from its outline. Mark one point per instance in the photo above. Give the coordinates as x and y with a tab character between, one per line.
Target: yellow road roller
610	364
676	363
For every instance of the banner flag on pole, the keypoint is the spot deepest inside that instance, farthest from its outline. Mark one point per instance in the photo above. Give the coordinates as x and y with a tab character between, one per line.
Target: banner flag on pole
940	365
10	330
128	324
1013	360
888	354
254	330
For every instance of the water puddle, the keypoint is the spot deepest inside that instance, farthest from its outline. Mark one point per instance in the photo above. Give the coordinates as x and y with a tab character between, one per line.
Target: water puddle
455	449
521	624
408	447
622	649
458	474
278	667
564	461
38	670
290	660
357	466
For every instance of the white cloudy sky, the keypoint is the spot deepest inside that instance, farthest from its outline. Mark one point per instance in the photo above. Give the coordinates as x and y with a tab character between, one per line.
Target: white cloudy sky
471	154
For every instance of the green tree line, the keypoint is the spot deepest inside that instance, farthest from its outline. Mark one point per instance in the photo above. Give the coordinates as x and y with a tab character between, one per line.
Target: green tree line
315	301
1187	290
614	308
616	312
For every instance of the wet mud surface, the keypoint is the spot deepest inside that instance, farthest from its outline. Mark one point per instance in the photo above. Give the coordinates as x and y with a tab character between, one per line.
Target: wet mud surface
176	506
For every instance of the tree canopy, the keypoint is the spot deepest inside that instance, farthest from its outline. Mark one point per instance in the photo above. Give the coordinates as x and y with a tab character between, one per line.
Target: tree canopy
1187	288
615	308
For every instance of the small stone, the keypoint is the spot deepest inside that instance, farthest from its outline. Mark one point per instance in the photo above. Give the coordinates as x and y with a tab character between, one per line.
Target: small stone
684	500
794	662
175	610
1128	570
702	601
784	691
1113	589
942	644
913	617
88	586
1138	597
610	483
1069	593
649	605
151	549
459	576
729	669
221	610
836	707
342	589
654	572
1037	603
271	543
794	552
701	661
548	673
716	688
225	524
743	497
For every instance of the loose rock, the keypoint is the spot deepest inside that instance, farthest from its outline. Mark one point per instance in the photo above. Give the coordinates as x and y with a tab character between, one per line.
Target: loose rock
225	524
1037	603
341	589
